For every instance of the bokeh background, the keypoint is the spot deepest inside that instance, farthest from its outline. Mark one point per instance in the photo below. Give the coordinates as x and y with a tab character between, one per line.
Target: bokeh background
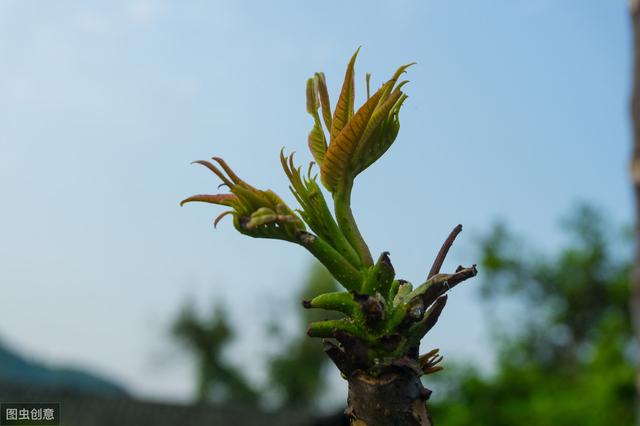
517	114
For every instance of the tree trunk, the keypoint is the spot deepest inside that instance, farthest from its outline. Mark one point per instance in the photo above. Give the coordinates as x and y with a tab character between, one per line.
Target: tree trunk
392	399
635	177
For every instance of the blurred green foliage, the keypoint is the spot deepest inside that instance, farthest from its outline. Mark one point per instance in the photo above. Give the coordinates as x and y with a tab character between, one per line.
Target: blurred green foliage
560	323
564	337
298	372
205	339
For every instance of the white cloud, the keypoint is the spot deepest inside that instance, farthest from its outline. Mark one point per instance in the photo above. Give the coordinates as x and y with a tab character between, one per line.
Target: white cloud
144	11
92	21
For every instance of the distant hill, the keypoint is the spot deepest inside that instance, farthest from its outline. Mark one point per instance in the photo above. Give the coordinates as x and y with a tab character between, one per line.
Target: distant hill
86	409
17	369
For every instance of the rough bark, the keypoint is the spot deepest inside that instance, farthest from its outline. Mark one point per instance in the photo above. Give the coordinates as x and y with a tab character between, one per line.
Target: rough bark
635	175
392	399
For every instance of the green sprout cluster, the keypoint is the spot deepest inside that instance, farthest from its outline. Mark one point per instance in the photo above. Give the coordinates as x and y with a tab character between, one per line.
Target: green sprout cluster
384	318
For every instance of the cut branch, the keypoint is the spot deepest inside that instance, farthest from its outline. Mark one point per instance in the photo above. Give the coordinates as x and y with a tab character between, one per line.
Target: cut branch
441	283
389	400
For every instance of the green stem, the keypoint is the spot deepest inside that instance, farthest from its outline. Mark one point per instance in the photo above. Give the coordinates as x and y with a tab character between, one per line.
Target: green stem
338	266
323	220
342	244
347	223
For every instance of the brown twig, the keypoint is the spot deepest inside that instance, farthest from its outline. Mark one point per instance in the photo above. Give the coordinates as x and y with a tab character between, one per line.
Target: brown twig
437	263
445	282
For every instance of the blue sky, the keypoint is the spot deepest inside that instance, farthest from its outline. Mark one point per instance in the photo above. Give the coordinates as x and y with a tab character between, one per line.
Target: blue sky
517	110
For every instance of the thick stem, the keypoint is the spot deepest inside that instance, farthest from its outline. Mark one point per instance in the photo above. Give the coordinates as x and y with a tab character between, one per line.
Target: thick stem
347	223
339	267
393	399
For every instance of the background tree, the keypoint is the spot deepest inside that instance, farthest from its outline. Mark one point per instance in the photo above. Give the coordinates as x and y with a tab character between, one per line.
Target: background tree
298	371
564	343
205	339
635	177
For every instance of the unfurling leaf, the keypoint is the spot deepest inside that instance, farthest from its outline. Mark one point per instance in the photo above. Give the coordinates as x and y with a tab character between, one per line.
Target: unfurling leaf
342	148
317	143
344	107
255	213
316	140
379	136
356	140
323	95
312	98
222	199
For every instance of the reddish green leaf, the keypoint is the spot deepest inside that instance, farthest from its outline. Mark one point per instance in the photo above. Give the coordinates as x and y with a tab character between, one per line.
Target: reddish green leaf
342	148
323	94
344	107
